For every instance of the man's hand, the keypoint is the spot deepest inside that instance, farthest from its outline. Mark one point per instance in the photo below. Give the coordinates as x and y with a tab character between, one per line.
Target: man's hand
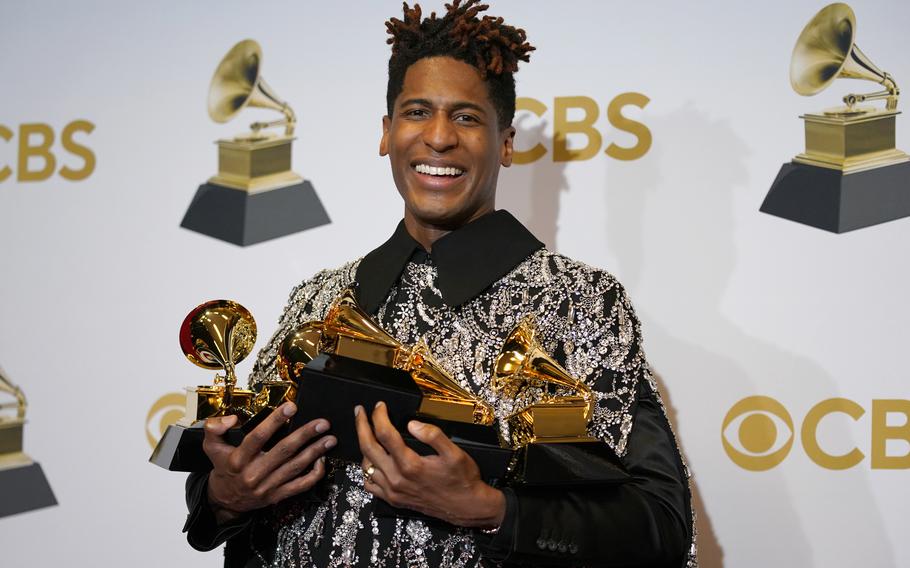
446	486
245	478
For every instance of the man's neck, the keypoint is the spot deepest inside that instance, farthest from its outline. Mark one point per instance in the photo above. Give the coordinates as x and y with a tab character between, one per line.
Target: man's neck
427	233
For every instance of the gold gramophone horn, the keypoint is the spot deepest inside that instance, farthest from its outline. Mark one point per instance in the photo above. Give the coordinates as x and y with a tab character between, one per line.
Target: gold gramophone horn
826	50
523	364
298	348
237	83
217	335
349	331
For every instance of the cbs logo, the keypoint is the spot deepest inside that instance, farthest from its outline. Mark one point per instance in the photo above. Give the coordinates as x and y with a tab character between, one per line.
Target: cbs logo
758	432
165	411
563	127
37	162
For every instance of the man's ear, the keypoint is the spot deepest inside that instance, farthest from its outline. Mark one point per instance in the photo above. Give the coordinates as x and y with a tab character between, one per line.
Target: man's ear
505	156
384	142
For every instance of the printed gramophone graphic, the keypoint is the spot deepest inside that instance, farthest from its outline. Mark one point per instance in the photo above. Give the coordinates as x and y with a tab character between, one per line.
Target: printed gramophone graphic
255	196
23	486
851	175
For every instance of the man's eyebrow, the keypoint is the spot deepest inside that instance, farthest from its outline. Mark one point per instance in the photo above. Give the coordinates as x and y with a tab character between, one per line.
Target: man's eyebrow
457	105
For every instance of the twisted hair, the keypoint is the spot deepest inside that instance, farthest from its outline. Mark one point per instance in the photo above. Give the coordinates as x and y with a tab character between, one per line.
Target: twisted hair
486	43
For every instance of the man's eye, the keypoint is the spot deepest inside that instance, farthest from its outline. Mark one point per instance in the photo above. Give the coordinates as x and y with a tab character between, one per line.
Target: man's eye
465	118
416	113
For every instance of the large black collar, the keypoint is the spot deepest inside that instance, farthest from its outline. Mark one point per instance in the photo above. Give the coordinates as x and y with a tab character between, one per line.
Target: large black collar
468	259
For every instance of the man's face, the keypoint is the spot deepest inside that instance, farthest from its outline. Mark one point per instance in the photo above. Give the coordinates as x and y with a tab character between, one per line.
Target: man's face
444	144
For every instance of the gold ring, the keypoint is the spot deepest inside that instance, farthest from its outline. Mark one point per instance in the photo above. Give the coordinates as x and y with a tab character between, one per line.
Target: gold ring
368	474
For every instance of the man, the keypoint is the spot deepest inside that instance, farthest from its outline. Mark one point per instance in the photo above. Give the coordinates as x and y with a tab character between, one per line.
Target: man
458	274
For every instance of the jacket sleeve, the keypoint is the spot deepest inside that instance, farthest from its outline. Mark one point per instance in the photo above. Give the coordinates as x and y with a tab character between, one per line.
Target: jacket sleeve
642	523
202	531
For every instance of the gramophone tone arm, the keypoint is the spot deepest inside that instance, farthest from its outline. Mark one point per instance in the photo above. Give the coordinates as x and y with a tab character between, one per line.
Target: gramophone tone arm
289	121
891	94
21	403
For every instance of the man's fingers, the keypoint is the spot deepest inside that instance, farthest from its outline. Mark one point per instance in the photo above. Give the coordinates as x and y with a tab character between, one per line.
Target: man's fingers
291	444
405	458
213	444
300	484
370	447
254	441
434	437
295	466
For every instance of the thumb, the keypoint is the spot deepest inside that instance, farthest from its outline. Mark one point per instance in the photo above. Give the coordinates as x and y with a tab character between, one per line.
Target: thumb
432	436
213	444
218	426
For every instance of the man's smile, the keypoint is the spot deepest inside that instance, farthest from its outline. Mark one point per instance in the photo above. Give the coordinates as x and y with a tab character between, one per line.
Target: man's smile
437	174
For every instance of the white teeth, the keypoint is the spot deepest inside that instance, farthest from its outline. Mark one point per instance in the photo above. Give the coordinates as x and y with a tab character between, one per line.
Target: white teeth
437	171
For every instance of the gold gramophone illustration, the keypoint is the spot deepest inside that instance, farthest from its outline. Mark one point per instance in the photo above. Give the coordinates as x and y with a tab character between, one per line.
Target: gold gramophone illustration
216	335
350	332
255	195
850	175
11	427
852	137
23	486
523	369
258	160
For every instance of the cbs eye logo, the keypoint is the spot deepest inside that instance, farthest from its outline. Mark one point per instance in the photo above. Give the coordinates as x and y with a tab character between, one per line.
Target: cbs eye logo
165	411
757	433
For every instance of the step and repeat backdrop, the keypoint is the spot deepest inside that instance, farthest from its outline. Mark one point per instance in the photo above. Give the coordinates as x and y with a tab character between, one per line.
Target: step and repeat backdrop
649	135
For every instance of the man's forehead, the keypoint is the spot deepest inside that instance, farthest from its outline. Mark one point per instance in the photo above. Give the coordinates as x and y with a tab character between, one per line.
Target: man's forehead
446	82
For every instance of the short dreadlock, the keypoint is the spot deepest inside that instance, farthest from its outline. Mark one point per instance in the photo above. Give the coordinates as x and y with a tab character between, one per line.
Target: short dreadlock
488	44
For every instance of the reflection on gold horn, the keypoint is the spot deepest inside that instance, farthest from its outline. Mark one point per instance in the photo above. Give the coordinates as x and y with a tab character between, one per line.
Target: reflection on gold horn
523	366
237	84
217	335
350	332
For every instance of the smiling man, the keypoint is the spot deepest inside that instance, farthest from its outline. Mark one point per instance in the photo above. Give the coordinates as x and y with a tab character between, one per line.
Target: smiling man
459	275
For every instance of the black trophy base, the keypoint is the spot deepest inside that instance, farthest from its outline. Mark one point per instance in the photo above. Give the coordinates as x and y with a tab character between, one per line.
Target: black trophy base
180	448
568	464
830	200
244	218
331	385
24	488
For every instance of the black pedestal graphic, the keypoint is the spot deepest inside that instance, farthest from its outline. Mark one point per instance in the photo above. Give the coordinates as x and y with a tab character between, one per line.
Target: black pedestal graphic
835	202
244	218
24	488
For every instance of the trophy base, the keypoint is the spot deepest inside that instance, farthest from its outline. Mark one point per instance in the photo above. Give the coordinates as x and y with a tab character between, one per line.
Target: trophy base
835	201
331	385
23	487
180	448
576	463
244	218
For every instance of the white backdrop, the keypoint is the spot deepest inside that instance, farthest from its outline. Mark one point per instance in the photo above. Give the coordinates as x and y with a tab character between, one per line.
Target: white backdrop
97	275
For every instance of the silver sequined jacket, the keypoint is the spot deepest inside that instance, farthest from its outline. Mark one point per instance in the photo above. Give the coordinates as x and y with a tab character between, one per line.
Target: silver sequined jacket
585	321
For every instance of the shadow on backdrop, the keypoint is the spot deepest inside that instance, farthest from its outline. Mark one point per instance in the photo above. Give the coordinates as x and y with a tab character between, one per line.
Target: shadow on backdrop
670	225
531	192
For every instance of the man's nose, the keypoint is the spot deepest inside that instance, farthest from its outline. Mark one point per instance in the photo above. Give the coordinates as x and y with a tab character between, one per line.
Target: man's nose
440	134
